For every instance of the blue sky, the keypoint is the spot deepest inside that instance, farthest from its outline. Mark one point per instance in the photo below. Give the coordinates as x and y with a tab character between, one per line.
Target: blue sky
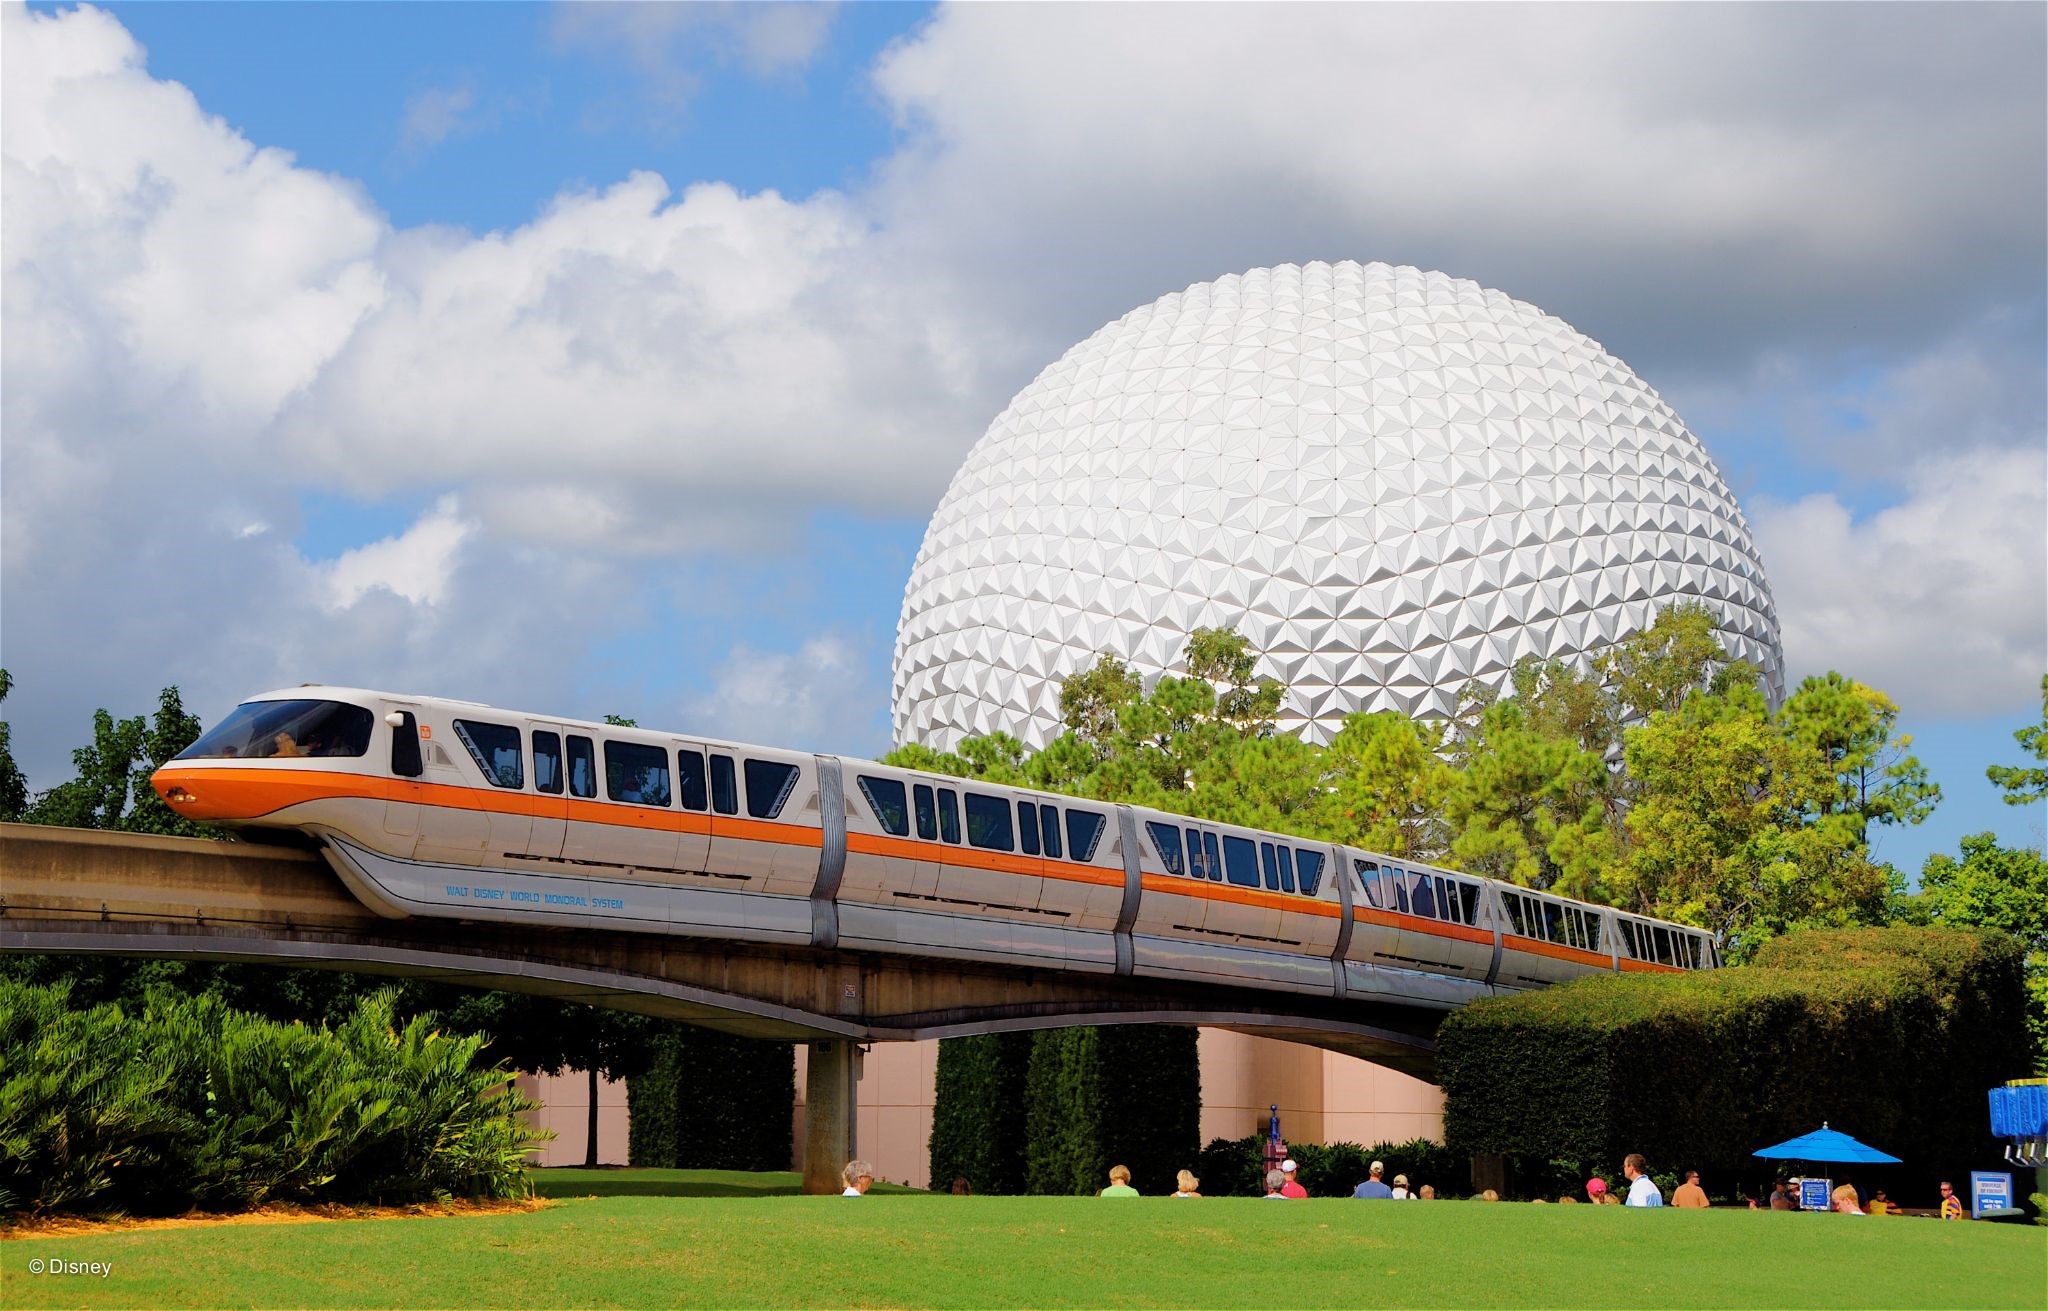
611	359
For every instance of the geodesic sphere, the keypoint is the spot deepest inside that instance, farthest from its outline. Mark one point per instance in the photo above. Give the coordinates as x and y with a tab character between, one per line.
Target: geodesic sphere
1390	481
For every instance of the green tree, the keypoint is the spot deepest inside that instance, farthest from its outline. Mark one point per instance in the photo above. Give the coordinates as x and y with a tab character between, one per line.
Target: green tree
1996	887
1851	729
2023	784
13	784
1224	659
1677	655
1528	804
1389	786
111	789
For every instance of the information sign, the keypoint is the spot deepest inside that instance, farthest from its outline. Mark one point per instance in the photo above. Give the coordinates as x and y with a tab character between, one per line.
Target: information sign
1814	1194
1989	1192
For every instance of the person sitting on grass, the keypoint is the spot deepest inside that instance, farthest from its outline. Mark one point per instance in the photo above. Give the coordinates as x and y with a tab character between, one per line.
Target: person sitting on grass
1401	1193
1844	1198
1427	1193
1596	1189
1373	1189
859	1175
1119	1183
1275	1181
1880	1204
1951	1205
1690	1194
1189	1185
1292	1188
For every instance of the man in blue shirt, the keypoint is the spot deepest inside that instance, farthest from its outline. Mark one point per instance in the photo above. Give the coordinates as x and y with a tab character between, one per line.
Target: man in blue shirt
1372	1188
1642	1190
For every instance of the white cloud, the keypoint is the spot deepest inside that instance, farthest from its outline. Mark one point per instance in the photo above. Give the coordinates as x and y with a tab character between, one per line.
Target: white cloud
824	695
435	114
667	44
416	564
1941	600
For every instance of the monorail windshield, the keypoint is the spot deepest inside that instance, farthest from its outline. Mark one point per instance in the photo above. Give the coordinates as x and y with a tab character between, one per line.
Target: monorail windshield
262	730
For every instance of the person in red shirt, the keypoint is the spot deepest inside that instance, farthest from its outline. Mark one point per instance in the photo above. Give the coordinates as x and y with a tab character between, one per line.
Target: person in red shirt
1292	1188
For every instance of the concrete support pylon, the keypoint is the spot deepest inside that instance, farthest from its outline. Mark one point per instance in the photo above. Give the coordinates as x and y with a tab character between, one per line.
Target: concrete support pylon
829	1092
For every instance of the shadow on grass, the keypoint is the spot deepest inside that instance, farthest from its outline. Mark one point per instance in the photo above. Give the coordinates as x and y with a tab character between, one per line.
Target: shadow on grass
573	1182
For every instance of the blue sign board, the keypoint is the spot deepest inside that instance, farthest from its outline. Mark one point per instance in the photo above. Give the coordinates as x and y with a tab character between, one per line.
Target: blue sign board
1989	1192
1813	1194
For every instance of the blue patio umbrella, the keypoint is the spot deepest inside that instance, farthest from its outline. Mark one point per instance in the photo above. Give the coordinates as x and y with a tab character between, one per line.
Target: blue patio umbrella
1825	1144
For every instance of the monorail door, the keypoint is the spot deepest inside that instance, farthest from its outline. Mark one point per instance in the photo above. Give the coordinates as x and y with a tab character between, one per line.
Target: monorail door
550	796
402	808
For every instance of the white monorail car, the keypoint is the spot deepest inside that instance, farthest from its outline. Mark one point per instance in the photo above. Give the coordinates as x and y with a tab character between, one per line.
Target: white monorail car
431	807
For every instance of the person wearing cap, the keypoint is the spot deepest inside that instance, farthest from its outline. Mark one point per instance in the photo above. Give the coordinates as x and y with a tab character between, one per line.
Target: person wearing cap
1690	1194
1596	1190
1642	1190
1372	1189
1292	1188
1400	1192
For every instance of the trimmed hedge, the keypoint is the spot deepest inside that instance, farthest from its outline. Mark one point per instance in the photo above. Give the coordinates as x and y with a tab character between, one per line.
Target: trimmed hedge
191	1104
1097	1097
1235	1167
978	1112
712	1101
1889	1035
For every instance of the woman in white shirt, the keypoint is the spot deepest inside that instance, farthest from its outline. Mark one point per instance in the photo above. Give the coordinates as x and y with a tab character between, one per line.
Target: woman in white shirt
1401	1193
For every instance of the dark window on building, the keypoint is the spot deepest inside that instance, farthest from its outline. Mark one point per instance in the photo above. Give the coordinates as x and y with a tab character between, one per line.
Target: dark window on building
1049	825
1166	837
1368	875
927	812
1311	865
1241	862
582	767
768	786
495	749
636	773
1027	827
725	787
547	762
1084	830
949	815
690	773
988	823
886	798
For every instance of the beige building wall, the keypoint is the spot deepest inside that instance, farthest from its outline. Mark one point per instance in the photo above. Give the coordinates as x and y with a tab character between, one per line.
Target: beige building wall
565	1108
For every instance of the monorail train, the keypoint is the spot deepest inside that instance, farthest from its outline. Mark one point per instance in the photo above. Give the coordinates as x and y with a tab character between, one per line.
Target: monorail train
431	807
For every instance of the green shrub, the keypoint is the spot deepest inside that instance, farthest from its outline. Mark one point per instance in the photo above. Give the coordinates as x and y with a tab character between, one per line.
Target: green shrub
712	1101
1123	1094
1233	1167
194	1104
1890	1035
1237	1167
978	1112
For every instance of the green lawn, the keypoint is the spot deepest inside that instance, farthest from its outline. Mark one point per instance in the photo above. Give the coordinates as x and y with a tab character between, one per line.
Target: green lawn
1035	1251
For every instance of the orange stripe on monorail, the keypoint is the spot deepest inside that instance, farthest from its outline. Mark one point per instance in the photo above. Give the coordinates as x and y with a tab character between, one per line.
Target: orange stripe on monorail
1555	950
1648	967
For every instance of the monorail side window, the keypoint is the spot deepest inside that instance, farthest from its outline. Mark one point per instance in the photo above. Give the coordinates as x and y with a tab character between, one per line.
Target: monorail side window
1311	865
927	812
259	730
547	762
1271	864
1422	897
1468	896
886	798
1049	823
949	815
495	748
636	773
1513	904
1241	862
1166	838
1593	930
988	823
769	783
725	788
1027	827
1663	940
1286	869
582	766
1084	830
695	787
1198	862
1397	889
1446	905
1368	875
1553	922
